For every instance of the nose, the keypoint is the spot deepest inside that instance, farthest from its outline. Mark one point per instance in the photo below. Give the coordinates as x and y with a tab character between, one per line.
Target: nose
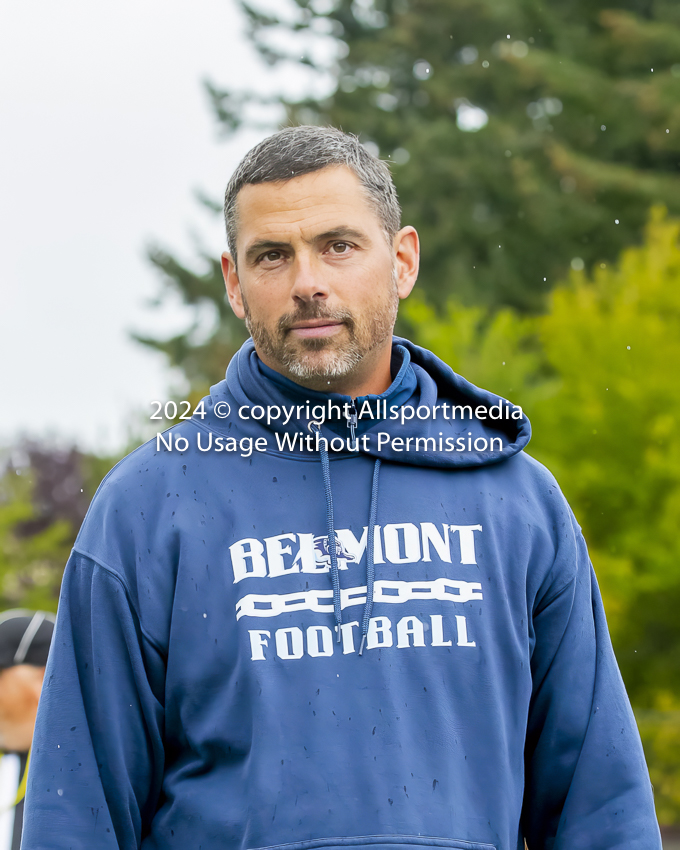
309	283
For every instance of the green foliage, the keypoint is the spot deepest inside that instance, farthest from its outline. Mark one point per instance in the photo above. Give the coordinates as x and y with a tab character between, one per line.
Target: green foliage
44	494
660	731
31	565
597	375
616	345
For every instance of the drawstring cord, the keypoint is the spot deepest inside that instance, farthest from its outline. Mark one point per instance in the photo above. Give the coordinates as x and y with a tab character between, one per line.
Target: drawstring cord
370	566
332	541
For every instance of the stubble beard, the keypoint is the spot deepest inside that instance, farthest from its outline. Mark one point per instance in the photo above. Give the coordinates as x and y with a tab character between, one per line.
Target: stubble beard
325	358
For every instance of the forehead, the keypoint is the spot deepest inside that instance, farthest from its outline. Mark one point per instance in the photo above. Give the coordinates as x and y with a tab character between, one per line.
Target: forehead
314	202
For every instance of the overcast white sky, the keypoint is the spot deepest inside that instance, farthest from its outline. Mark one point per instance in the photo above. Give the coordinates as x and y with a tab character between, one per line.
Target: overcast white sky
105	134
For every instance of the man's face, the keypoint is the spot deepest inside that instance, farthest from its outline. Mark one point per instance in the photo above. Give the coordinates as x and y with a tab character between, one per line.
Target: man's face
318	284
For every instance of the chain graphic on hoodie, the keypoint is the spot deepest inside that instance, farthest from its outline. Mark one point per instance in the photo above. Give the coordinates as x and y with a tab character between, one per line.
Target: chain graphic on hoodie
321	601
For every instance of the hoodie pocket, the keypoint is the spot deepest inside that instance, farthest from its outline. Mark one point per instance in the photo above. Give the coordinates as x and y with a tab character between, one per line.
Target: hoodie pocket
382	842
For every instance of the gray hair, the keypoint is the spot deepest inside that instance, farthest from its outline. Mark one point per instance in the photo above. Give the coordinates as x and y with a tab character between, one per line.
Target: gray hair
294	151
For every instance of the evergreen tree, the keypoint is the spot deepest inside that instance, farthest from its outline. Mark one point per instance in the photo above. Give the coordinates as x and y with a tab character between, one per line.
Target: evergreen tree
524	135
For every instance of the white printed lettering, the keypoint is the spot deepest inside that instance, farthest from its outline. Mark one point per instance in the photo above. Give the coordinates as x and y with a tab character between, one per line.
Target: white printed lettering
467	542
462	632
409	627
240	555
306	556
411	543
438	631
289	643
275	553
379	633
258	641
440	542
319	641
347	633
354	547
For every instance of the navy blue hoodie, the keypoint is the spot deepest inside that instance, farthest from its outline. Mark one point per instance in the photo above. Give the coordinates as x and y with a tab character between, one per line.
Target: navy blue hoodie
378	626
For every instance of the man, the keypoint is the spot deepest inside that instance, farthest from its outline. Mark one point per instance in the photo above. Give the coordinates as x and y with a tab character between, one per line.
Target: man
24	643
339	606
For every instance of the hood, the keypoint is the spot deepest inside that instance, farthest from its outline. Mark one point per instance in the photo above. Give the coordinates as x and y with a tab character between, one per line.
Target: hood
429	415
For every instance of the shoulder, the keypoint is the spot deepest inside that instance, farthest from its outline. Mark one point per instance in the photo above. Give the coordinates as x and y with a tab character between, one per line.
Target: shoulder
532	484
134	479
537	526
132	528
135	502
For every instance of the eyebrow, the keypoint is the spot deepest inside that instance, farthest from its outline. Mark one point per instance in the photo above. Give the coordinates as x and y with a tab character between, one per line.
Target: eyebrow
270	245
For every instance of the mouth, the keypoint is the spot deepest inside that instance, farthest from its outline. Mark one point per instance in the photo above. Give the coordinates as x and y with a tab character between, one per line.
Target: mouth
316	328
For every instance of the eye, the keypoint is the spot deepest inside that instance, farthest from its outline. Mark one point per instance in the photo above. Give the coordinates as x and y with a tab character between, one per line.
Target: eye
269	257
340	247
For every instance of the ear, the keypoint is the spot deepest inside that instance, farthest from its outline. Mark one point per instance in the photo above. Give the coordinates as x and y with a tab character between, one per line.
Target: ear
407	257
233	285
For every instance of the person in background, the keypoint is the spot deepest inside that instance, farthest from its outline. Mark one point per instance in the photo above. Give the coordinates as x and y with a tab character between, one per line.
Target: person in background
24	644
